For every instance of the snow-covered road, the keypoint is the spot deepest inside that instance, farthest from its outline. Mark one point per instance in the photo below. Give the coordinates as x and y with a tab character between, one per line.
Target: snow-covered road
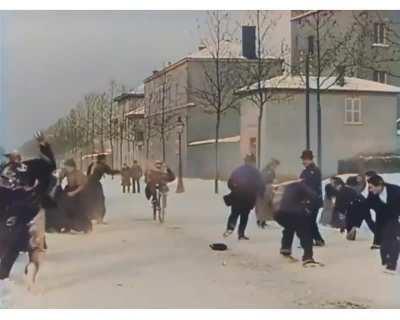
134	262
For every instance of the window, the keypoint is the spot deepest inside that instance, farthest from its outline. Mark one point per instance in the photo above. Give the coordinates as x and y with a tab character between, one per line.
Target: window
176	92
379	33
380	76
310	41
353	114
398	127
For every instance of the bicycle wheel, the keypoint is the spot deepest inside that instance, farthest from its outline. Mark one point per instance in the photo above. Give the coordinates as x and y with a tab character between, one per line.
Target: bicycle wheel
163	201
154	211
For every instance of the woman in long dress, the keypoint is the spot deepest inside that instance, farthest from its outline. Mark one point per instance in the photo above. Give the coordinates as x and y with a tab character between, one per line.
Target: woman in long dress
74	201
327	213
94	189
264	210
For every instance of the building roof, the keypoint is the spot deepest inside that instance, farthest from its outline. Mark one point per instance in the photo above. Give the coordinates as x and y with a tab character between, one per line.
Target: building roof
138	113
304	14
287	82
232	139
228	50
137	92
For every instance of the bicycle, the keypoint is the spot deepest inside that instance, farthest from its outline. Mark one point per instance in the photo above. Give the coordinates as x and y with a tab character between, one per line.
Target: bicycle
159	204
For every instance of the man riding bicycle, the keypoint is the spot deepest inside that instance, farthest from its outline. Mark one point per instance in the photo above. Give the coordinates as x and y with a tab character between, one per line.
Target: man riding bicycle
158	176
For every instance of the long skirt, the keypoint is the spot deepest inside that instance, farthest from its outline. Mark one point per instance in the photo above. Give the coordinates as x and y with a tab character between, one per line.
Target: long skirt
76	211
56	217
264	209
95	200
327	212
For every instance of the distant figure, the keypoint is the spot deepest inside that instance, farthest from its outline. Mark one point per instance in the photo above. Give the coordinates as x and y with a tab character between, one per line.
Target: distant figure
94	192
264	202
126	178
386	203
311	176
136	174
246	184
294	215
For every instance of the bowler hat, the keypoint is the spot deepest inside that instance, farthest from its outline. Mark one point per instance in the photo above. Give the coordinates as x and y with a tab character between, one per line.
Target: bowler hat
307	154
218	246
101	157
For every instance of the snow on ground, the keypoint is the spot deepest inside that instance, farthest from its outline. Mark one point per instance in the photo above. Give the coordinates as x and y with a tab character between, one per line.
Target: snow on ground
134	262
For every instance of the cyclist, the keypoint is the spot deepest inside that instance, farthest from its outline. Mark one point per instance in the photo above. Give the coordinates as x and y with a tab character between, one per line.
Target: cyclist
158	176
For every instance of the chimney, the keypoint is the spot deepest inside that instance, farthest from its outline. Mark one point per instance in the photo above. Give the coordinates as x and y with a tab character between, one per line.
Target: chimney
340	70
249	42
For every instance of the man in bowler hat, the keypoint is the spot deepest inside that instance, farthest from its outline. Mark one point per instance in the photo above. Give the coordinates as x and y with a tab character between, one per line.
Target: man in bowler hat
311	176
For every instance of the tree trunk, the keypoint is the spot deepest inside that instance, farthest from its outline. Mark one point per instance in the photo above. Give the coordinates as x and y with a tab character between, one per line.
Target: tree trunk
216	178
147	149
319	112
163	146
259	124
319	128
121	145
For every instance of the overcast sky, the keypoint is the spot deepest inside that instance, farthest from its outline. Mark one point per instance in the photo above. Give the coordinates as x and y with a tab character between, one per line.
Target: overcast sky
53	58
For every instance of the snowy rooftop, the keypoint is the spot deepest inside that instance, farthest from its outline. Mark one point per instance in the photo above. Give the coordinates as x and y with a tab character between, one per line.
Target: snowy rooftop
228	49
298	83
137	113
232	139
137	92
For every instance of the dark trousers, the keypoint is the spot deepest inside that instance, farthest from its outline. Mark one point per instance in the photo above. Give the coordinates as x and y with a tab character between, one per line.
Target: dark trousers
316	235
7	262
301	225
135	185
390	243
126	188
237	212
379	226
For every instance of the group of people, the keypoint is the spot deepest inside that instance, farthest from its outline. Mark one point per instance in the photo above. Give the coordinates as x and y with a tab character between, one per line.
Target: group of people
33	201
130	176
26	189
81	200
36	198
296	205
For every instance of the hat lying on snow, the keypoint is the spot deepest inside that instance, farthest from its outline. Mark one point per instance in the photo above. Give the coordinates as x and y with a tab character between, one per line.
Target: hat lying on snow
218	246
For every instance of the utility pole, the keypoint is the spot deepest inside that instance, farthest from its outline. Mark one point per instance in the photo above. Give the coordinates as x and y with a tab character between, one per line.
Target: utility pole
307	65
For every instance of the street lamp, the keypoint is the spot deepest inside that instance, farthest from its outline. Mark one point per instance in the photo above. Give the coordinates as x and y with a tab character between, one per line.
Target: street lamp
180	126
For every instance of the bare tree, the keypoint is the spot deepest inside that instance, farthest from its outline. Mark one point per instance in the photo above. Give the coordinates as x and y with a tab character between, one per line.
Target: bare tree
254	73
215	96
160	116
332	52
